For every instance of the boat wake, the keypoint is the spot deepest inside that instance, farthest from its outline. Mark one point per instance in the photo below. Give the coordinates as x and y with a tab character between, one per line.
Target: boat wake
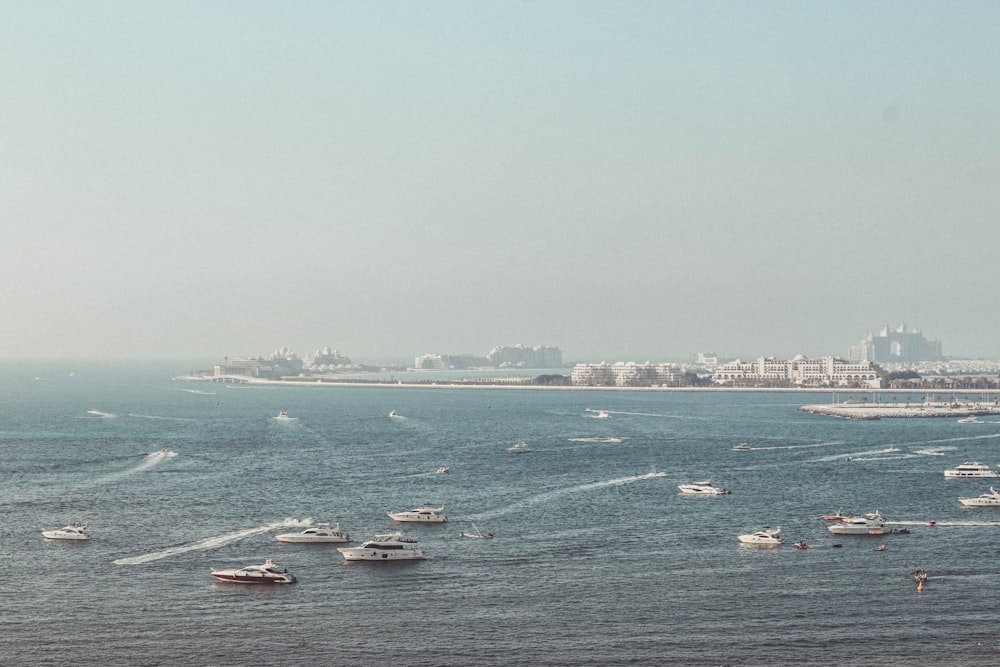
102	415
549	495
212	542
861	456
943	523
199	391
171	419
595	439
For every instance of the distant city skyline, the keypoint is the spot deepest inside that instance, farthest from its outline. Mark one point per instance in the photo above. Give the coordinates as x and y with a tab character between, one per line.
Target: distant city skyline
637	180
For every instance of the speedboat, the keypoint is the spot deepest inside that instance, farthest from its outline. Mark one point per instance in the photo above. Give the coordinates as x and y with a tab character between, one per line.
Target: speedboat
391	546
478	535
971	419
800	544
920	576
163	453
702	489
601	414
74	531
322	532
833	517
393	413
268	573
881	547
991	499
442	470
768	537
425	514
970	469
518	448
742	447
283	416
872	523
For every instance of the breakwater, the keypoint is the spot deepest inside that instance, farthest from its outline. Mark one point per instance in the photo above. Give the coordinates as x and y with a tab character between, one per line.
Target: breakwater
863	411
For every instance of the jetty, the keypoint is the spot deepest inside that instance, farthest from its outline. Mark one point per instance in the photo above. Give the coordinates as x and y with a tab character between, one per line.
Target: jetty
878	410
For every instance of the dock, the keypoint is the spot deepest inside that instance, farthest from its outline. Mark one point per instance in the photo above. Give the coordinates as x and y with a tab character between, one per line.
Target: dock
867	411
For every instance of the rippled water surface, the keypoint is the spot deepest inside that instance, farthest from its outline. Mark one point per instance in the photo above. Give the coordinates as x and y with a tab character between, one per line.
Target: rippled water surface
596	561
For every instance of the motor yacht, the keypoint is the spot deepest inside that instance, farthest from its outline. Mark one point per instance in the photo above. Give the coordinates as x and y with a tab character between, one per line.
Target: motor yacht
74	531
320	533
391	546
991	499
425	514
872	523
702	489
742	447
970	469
768	537
518	448
268	573
283	417
971	419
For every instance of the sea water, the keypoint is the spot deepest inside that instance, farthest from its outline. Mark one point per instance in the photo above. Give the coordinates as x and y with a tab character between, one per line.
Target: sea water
596	559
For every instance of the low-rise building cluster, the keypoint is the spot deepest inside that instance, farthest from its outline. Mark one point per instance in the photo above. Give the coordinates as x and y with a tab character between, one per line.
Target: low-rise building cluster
626	374
798	372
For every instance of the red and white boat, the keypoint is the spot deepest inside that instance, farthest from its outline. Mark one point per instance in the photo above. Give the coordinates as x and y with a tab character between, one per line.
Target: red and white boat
268	573
834	517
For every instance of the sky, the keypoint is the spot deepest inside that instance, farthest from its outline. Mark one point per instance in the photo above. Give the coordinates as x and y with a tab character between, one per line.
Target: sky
622	180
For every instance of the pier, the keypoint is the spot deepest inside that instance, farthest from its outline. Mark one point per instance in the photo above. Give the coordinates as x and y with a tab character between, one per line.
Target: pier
878	410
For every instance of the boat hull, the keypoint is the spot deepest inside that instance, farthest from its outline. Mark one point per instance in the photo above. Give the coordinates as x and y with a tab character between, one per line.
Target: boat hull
234	578
58	535
311	539
407	517
381	555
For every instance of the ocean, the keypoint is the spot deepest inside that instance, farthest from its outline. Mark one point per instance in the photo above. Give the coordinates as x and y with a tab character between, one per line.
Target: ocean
596	559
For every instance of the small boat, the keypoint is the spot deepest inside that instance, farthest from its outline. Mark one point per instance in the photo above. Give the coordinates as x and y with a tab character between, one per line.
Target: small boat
920	576
768	537
390	546
970	469
283	416
801	545
163	453
931	524
991	499
704	488
971	419
478	535
519	448
443	469
393	413
742	447
424	514
881	547
601	414
833	517
268	573
320	533
73	531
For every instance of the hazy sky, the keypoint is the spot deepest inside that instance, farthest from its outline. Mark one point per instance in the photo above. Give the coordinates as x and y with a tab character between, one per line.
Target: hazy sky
624	180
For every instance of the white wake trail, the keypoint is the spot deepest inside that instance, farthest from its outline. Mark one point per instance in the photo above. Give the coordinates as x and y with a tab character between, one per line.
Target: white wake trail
212	542
549	495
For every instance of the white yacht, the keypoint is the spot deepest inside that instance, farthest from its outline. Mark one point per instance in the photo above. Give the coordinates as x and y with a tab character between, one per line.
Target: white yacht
768	537
742	447
320	533
443	469
391	546
971	419
702	489
283	416
991	499
518	448
872	523
268	573
971	469
425	514
74	531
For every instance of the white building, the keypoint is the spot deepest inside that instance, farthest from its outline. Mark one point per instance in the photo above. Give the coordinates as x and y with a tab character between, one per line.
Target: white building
625	374
800	372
